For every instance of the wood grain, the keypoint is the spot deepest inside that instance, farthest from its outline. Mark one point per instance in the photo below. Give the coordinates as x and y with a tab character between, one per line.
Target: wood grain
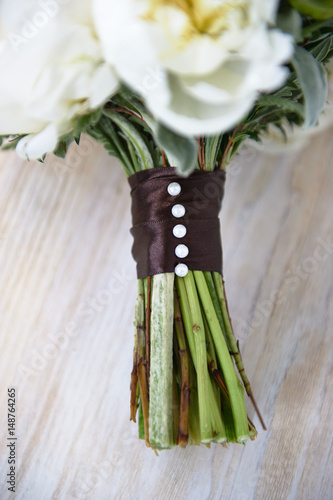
67	301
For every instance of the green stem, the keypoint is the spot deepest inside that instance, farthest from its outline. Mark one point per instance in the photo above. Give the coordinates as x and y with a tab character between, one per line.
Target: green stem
194	419
226	403
161	373
134	136
211	355
218	427
142	375
201	358
134	382
233	343
211	402
235	389
185	393
216	303
186	317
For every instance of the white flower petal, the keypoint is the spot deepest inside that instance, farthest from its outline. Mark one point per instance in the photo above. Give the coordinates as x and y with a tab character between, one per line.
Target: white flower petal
54	69
199	74
222	86
34	146
133	55
202	56
188	116
282	47
268	9
104	83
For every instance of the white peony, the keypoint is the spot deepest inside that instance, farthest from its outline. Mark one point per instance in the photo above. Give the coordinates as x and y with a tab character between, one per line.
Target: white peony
199	64
51	68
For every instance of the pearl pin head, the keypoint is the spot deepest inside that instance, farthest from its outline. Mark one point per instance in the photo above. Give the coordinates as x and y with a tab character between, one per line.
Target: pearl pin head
179	231
181	270
181	251
178	211
174	188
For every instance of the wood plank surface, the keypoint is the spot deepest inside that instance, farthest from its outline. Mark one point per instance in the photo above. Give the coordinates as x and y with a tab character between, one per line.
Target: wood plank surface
67	294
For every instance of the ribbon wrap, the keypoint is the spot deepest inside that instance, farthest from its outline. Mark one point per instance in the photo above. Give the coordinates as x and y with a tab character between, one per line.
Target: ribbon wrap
154	242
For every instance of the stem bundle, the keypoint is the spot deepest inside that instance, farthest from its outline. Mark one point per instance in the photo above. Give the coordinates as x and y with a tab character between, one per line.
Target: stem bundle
194	394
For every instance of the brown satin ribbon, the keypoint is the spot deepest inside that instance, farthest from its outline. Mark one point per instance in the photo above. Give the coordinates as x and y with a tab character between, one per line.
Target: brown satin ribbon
154	243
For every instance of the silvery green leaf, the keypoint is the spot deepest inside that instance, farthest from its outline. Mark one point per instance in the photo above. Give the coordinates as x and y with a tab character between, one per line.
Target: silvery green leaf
312	79
134	136
321	50
290	22
212	145
286	105
182	152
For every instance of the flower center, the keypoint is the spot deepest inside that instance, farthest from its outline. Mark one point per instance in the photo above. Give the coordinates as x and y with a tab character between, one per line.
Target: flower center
208	17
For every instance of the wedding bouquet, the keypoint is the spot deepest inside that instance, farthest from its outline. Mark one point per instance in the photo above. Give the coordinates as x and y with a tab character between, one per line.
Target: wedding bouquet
171	89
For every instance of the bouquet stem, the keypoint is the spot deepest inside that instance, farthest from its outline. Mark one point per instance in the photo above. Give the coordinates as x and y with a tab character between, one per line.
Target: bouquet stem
141	362
161	362
198	332
185	390
235	389
184	380
234	345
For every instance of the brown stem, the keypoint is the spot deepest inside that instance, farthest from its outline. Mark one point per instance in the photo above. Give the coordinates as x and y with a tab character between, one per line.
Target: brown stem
148	311
185	393
251	396
217	376
121	110
252	428
133	386
144	397
164	159
141	362
238	128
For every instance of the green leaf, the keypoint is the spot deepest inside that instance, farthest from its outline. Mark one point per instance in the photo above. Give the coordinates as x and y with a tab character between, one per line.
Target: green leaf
104	132
181	151
318	34
212	146
290	22
312	78
313	29
285	105
154	151
321	49
134	136
318	9
128	100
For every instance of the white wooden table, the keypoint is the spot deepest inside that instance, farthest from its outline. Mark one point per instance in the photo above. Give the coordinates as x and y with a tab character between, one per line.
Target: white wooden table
68	290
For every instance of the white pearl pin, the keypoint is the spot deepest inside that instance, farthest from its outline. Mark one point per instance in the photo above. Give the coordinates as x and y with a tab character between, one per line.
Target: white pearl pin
181	270
174	188
179	231
178	211
181	251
